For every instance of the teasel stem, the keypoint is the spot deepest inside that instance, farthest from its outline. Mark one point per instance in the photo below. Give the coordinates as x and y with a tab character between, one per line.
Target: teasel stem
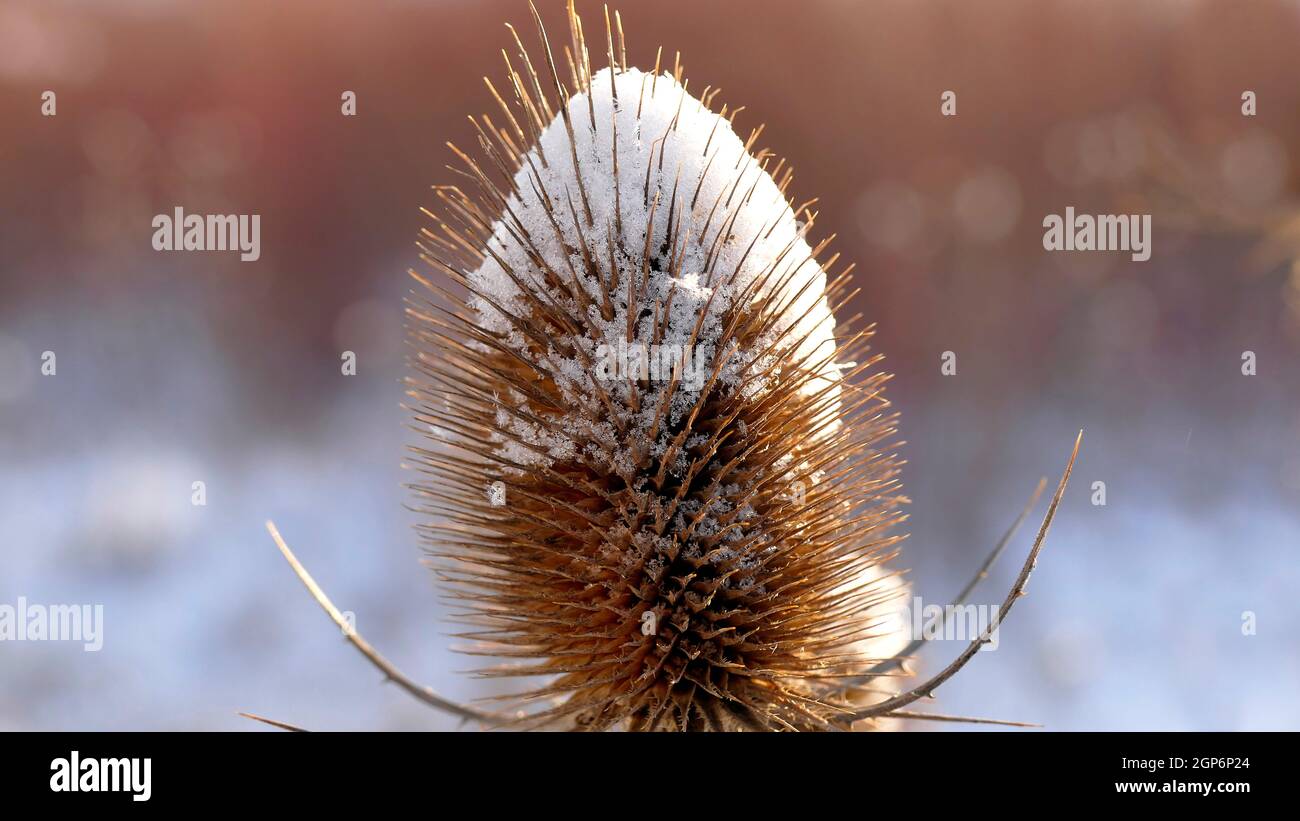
279	725
914	716
390	671
900	659
927	689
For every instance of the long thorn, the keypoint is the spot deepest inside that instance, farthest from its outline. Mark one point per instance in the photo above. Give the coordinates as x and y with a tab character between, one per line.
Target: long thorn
1017	590
283	725
423	693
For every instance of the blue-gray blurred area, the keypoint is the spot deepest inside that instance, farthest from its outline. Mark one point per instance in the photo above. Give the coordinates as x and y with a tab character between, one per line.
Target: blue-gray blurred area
1173	606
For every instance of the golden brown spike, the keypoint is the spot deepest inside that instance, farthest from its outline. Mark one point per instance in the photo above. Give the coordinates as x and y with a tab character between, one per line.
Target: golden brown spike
689	540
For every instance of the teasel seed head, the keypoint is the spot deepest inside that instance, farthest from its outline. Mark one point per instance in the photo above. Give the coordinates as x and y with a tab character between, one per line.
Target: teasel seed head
659	474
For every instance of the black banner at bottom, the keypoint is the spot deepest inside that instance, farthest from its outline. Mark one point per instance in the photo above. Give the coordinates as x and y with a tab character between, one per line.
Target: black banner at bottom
236	770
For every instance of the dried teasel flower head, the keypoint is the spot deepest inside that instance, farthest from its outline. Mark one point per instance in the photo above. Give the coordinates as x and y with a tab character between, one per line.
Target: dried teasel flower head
658	473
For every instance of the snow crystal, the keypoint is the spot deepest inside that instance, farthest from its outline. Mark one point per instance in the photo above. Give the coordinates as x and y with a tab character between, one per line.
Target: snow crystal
672	156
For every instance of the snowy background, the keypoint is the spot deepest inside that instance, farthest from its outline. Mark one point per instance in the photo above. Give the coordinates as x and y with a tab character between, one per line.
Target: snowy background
175	368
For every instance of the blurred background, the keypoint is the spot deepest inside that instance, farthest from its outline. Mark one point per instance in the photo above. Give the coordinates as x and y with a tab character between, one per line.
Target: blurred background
177	368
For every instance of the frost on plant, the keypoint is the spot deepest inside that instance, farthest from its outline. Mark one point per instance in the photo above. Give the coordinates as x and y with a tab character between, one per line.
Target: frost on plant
746	508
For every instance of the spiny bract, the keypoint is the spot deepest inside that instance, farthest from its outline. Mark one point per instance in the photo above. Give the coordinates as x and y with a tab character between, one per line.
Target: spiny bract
682	540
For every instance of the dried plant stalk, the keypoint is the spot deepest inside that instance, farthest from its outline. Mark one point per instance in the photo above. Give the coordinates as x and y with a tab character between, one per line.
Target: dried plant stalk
694	548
